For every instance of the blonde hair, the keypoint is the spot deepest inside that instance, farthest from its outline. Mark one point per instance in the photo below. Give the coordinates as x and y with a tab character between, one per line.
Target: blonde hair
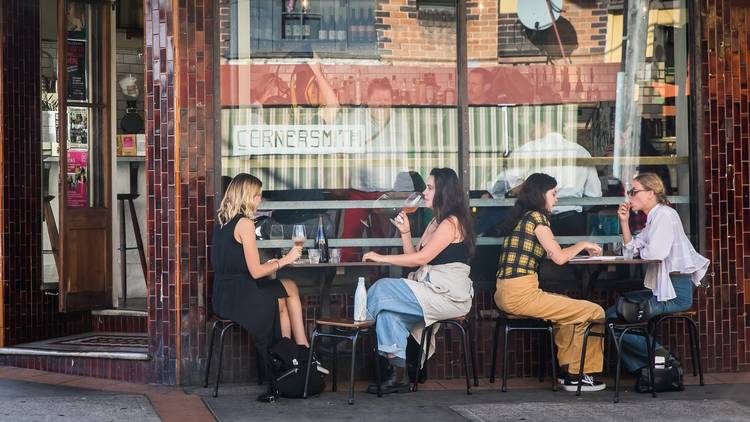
652	182
238	199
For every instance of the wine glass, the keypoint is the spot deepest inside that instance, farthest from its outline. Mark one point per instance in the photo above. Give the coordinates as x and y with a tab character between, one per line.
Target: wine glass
299	236
411	203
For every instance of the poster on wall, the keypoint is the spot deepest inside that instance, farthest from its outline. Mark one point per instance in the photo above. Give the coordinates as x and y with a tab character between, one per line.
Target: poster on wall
77	179
78	127
75	20
76	68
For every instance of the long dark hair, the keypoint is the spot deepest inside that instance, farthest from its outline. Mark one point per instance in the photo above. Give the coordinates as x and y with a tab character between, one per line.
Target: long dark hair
450	201
530	198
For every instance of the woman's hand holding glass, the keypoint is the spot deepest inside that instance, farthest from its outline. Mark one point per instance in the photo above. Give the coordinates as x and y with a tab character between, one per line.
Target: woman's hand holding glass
401	221
293	255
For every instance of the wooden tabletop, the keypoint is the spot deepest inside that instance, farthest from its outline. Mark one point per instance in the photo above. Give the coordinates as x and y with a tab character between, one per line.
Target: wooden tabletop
610	260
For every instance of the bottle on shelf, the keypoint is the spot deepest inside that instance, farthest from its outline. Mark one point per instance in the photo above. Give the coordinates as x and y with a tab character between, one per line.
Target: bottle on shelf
323	28
321	241
341	26
354	26
360	300
450	91
332	34
370	26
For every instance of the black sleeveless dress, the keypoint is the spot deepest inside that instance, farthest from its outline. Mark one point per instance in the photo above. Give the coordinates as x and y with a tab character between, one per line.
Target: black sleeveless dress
252	303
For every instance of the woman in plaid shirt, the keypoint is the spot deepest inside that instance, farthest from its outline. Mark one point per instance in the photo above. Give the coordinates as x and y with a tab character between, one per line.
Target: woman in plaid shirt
528	238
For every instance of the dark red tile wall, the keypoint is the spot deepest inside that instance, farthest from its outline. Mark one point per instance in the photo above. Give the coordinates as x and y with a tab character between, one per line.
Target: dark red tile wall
725	64
121	324
179	57
121	370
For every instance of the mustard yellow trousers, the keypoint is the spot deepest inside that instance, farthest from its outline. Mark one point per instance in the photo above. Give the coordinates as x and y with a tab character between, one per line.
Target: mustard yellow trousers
570	317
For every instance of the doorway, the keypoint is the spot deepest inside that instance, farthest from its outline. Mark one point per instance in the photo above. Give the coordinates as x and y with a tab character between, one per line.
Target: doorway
93	149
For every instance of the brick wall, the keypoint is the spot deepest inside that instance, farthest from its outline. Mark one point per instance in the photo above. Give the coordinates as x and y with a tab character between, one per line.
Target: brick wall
582	27
725	308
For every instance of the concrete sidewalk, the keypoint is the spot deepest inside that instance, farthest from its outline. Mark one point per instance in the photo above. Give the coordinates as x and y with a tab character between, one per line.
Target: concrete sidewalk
31	395
724	398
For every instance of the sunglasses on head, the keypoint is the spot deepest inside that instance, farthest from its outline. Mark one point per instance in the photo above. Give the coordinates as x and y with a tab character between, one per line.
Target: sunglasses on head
633	191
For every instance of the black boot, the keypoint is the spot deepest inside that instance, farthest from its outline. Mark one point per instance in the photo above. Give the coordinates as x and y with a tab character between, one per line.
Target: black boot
270	395
389	382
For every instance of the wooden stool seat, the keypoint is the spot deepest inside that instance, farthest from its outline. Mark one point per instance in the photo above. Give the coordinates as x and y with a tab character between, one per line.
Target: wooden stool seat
345	323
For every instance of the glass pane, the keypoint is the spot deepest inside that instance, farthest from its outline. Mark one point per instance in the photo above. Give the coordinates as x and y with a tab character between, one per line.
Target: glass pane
50	141
85	122
563	96
334	101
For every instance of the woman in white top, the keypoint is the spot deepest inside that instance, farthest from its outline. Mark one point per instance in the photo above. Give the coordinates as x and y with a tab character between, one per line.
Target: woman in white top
671	281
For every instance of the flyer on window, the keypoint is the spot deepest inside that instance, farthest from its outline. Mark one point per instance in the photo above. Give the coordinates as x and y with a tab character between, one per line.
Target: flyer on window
78	127
76	68
77	179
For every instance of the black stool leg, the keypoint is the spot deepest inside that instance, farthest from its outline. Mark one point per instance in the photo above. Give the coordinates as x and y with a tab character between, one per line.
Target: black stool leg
553	358
210	352
693	327
334	375
473	354
504	387
378	381
651	343
422	345
618	350
465	341
351	374
495	337
221	357
540	367
582	362
309	361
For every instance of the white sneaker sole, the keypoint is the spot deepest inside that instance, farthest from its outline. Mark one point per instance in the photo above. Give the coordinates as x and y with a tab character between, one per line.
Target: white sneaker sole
584	387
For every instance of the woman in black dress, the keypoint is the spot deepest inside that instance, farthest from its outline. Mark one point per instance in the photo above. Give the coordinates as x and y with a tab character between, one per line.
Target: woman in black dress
267	308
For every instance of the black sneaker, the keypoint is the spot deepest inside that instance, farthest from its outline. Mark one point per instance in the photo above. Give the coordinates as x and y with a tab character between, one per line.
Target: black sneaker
588	383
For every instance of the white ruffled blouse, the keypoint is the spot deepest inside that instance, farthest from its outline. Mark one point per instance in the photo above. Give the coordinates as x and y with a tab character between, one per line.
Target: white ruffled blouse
664	238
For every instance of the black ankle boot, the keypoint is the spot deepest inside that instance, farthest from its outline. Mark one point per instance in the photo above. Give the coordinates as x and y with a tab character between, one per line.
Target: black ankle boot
269	396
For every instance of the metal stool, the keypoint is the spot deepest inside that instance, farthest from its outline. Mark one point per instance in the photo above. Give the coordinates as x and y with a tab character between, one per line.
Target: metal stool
121	198
343	329
223	325
617	329
466	342
519	323
695	347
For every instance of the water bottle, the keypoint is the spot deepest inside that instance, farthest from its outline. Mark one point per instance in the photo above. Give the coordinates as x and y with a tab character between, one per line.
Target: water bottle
360	301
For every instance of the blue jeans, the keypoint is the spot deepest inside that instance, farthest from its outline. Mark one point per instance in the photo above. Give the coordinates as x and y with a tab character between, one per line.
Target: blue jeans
395	309
634	348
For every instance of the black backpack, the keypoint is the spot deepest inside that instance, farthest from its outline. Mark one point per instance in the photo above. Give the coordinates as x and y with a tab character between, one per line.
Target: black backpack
666	378
289	363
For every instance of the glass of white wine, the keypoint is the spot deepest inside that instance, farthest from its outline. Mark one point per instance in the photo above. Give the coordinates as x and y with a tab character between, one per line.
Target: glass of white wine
299	236
411	203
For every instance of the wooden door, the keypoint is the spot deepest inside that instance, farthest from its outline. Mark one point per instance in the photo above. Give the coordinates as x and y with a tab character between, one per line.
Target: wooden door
85	204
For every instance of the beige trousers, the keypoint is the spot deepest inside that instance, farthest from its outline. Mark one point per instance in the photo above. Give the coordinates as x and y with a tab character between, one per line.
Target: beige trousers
522	296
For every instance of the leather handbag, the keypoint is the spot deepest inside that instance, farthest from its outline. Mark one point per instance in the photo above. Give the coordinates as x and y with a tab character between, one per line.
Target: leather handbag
634	311
666	378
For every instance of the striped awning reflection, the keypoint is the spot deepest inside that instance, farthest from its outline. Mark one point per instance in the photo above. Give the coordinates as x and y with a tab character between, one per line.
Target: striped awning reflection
415	139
